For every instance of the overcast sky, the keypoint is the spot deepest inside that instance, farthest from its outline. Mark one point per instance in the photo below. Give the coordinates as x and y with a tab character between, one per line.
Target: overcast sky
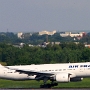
38	15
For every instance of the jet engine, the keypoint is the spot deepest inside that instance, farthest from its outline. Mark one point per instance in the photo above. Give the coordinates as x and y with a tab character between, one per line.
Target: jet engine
76	79
62	77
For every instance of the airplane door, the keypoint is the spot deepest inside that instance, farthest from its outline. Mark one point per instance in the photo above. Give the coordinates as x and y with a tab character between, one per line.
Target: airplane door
83	71
5	72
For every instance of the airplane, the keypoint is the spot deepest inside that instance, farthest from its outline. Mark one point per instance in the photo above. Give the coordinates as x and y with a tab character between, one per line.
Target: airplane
56	73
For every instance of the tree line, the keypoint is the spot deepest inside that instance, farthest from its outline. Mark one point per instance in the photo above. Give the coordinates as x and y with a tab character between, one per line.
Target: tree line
36	39
62	53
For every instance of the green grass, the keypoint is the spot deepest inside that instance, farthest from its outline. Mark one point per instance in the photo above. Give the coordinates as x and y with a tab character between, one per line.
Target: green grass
35	84
81	84
18	84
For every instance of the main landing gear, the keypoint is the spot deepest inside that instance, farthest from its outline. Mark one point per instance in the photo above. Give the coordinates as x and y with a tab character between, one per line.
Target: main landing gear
48	85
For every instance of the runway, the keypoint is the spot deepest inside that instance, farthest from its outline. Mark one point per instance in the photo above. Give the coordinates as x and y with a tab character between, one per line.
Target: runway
46	89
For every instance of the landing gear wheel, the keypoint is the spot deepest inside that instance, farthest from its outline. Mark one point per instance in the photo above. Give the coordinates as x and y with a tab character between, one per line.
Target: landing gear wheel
48	85
54	84
45	86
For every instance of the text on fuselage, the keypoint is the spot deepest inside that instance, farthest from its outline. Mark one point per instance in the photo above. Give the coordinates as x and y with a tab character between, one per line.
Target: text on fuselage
76	66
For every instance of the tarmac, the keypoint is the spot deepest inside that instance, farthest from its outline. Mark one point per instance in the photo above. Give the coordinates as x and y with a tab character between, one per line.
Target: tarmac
46	89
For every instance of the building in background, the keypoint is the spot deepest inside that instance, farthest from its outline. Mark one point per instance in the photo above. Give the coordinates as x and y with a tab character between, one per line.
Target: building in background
47	32
20	35
80	34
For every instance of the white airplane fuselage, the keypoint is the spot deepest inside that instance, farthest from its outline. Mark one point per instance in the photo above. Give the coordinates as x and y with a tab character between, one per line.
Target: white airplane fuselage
74	69
13	75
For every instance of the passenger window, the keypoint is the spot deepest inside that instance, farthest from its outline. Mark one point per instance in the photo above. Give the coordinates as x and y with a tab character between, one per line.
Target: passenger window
85	65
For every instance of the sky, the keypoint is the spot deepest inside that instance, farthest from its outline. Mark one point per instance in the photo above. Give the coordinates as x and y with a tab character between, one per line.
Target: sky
39	15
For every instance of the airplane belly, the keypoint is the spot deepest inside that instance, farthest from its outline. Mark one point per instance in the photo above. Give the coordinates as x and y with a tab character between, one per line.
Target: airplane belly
17	76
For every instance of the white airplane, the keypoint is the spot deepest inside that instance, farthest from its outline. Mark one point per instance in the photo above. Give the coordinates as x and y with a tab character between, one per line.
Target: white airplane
64	72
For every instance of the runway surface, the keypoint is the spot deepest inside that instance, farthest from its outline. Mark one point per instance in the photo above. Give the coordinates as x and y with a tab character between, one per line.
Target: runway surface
45	89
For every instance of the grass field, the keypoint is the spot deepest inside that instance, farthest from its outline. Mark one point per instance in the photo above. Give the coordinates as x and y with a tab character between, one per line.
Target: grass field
35	84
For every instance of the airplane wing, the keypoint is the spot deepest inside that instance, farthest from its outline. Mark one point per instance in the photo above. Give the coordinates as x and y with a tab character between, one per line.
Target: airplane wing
34	72
30	72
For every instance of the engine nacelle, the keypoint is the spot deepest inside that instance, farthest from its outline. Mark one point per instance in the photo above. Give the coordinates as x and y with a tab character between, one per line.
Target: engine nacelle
62	77
76	79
